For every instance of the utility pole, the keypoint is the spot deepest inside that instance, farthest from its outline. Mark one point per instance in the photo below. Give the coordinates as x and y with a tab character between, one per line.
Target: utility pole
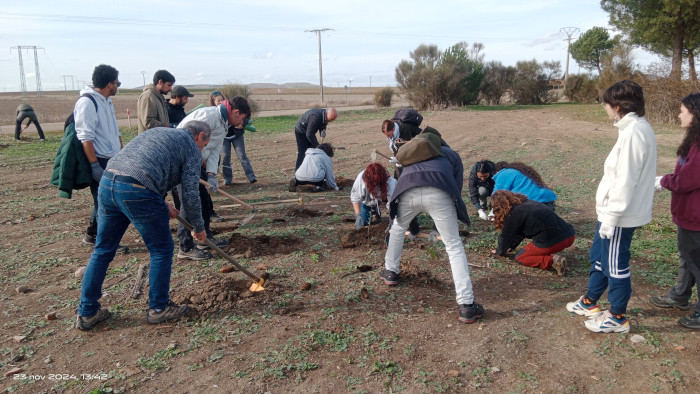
370	81
23	82
569	31
143	73
320	59
65	85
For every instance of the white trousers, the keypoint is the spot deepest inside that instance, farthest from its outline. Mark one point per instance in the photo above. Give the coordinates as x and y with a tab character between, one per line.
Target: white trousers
439	205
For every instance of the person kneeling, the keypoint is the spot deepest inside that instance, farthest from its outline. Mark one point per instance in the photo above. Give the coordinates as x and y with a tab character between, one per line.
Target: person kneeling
372	187
316	169
519	218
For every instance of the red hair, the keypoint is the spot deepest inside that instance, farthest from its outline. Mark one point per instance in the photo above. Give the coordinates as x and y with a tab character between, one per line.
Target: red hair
376	175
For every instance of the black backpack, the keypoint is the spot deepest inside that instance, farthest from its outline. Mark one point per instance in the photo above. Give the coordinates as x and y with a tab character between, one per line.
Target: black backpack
71	119
408	115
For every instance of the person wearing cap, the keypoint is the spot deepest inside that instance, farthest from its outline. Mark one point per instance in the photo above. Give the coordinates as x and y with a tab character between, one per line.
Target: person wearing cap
25	111
312	121
176	105
229	112
152	111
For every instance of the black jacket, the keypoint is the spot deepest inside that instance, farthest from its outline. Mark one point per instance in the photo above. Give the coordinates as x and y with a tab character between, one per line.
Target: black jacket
474	183
536	221
176	113
311	122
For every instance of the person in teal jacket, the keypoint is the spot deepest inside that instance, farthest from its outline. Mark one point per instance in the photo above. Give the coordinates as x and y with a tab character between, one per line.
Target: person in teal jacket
520	178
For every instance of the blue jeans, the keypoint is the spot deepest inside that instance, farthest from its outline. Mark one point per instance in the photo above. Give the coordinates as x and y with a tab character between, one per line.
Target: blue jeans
366	211
238	146
94	187
122	201
610	268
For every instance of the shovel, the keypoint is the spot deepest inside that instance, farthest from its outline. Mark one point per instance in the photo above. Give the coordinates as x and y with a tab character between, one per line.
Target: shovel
291	200
373	155
253	210
257	281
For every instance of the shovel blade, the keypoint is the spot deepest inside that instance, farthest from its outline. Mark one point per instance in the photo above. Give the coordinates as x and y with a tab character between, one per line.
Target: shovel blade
257	286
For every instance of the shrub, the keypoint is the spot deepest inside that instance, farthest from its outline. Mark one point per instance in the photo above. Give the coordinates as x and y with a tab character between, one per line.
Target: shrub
581	88
498	79
382	97
663	95
531	83
235	89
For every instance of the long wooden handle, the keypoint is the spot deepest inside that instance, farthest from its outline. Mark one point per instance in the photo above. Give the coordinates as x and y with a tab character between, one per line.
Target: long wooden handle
297	200
382	155
243	203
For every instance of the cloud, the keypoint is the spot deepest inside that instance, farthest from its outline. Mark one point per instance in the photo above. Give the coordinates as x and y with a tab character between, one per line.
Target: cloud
547	39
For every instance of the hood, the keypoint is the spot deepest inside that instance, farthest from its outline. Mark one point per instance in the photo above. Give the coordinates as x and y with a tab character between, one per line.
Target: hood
90	90
315	151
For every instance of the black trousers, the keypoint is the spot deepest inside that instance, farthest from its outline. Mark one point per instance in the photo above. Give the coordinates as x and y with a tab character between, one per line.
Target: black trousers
21	116
184	236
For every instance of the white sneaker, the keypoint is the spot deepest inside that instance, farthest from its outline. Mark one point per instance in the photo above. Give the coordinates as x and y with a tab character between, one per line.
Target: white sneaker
605	322
579	308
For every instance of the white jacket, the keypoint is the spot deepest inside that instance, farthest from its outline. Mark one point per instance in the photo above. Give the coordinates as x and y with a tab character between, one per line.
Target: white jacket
361	195
219	127
316	167
99	126
626	192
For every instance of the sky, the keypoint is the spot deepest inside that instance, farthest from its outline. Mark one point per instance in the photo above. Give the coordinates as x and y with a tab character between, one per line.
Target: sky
258	41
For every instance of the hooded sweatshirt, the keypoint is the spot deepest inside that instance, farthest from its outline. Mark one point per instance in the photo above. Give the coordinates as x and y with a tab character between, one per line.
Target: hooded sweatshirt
217	119
316	167
152	110
99	126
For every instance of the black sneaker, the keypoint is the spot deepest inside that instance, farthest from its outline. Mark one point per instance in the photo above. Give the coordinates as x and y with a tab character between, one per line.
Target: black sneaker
193	254
253	180
292	185
86	323
667	302
318	189
469	314
90	240
215	218
171	312
692	321
390	278
216	241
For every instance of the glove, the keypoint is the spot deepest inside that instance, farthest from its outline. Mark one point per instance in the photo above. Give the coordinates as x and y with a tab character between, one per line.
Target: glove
96	171
482	215
214	184
657	184
606	231
322	133
358	221
393	160
432	236
491	215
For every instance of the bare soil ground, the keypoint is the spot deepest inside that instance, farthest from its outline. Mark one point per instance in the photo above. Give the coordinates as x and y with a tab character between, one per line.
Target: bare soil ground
325	321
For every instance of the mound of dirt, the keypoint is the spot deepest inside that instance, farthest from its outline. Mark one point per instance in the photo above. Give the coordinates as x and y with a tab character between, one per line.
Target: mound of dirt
262	245
223	293
344	182
373	236
307	213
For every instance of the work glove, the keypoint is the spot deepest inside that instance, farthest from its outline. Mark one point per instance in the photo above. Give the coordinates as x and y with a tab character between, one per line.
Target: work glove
322	133
657	184
358	221
393	160
491	215
96	171
483	215
213	183
606	231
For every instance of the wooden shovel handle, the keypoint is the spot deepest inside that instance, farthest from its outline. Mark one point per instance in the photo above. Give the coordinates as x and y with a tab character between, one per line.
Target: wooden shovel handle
238	200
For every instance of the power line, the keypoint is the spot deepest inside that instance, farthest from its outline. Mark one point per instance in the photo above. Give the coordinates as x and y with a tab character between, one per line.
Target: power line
23	82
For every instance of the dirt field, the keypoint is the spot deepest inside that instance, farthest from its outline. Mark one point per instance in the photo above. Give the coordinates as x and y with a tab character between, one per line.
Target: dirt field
325	322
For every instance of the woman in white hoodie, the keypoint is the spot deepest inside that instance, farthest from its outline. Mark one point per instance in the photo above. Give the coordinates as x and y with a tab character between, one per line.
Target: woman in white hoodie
623	202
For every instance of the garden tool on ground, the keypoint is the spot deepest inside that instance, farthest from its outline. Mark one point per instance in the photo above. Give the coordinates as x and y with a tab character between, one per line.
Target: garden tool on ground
253	210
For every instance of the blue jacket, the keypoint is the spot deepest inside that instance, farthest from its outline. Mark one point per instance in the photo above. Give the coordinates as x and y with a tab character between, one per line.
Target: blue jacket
515	181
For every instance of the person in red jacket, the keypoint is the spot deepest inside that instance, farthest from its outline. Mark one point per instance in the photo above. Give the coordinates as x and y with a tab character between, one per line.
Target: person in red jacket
684	185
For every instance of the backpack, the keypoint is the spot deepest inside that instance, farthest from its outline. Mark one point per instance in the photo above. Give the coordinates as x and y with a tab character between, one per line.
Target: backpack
71	119
408	115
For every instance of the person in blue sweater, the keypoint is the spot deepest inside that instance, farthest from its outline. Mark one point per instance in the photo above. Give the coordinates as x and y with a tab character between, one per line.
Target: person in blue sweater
520	178
132	191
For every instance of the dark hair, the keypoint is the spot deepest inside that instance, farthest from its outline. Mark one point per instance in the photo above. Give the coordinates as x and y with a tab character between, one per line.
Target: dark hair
388	125
375	175
627	95
104	74
502	202
524	169
326	148
485	166
163	75
692	133
241	104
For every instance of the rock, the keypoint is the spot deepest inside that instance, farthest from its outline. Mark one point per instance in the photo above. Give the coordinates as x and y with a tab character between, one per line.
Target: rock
262	267
225	270
79	272
679	348
636	338
495	369
22	289
306	286
454	373
19	338
50	316
13	371
48	360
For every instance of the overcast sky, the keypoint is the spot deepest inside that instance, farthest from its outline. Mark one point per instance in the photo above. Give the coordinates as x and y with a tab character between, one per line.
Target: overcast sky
249	41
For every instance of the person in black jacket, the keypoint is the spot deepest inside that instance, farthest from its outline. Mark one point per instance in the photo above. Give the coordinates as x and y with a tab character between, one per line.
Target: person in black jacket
518	218
481	185
25	111
176	105
312	121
